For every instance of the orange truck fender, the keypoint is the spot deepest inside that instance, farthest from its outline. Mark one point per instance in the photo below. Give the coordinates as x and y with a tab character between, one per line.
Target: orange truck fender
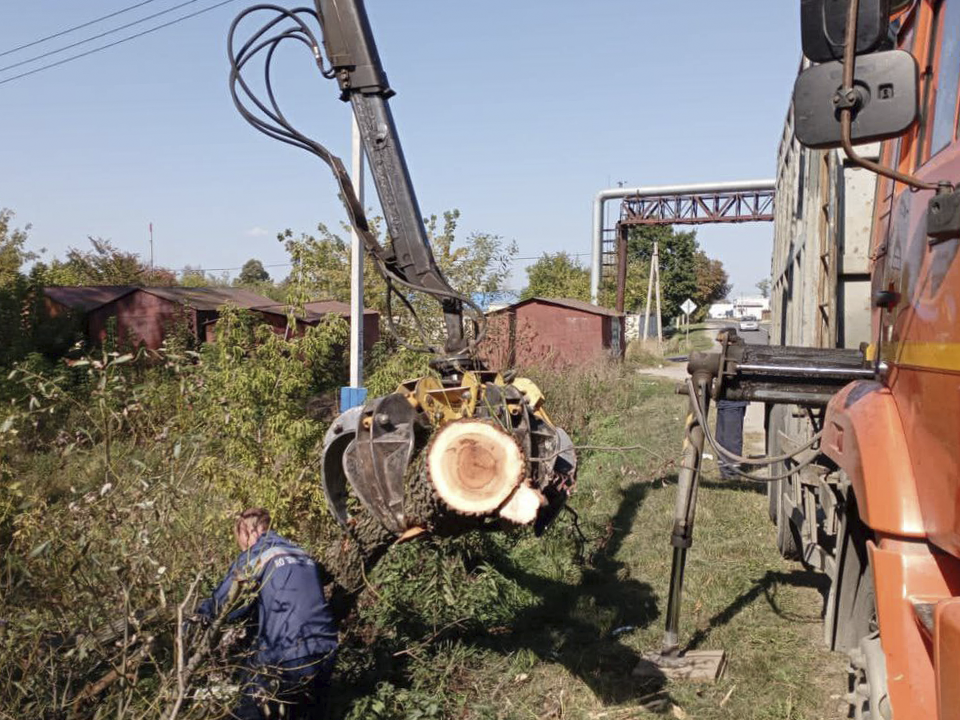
863	435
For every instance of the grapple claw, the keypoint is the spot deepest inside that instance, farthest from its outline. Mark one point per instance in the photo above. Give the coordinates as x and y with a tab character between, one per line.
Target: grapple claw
449	459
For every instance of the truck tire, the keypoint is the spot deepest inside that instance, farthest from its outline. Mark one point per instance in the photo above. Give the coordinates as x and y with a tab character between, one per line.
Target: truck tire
773	495
773	423
788	534
851	603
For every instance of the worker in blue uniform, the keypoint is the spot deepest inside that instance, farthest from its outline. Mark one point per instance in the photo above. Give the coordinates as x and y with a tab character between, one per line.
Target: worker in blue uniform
729	432
276	582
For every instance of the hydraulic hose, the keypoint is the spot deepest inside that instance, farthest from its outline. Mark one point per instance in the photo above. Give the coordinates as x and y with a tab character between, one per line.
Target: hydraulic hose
701	418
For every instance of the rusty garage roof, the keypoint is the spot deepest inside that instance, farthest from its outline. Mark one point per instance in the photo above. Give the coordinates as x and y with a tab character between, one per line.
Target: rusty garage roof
570	303
210	298
86	297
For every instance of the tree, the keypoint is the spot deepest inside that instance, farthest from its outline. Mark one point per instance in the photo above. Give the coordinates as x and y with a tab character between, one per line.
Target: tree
477	268
25	325
678	260
480	267
764	287
557	275
106	265
712	283
12	252
253	273
685	270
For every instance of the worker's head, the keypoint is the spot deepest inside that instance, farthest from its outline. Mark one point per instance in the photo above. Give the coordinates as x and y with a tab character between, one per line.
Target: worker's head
251	524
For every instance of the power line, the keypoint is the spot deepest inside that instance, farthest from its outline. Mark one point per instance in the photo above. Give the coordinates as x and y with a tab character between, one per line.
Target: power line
116	42
75	28
191	269
538	257
96	37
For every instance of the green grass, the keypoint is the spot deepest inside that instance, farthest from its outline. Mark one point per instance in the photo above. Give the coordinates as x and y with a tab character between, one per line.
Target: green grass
548	647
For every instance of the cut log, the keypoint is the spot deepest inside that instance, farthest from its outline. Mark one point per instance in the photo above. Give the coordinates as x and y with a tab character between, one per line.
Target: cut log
523	506
474	466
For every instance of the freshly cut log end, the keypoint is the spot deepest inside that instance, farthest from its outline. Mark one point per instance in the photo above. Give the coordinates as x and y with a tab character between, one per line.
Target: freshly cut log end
523	507
474	466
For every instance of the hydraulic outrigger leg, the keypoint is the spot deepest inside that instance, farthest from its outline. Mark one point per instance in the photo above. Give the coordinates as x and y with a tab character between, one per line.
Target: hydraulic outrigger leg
670	662
807	377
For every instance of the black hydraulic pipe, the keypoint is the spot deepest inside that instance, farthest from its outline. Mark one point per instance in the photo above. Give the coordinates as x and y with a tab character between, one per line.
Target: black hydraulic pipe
849	374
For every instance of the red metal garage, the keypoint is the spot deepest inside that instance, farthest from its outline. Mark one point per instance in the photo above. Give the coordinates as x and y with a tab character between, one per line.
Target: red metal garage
553	332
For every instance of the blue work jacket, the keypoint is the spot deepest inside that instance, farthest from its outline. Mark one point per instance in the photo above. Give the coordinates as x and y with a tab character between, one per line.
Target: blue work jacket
282	582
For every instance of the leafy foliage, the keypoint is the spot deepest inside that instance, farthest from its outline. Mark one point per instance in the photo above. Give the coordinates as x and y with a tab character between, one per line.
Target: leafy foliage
478	268
105	264
678	251
13	253
713	284
25	326
685	270
257	387
128	468
197	277
253	273
557	275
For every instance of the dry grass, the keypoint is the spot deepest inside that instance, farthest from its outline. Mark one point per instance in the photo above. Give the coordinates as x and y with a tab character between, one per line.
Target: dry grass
646	354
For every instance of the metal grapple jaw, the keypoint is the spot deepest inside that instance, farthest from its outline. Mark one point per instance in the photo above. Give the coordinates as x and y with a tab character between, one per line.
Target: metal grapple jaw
448	459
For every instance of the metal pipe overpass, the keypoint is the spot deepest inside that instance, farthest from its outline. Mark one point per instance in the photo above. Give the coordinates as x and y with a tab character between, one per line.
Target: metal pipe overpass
698	204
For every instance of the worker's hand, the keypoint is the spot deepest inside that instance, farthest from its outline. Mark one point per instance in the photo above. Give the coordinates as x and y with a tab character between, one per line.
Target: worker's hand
193	626
196	623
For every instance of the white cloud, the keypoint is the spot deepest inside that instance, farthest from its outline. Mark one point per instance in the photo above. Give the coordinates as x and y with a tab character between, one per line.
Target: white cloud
256	231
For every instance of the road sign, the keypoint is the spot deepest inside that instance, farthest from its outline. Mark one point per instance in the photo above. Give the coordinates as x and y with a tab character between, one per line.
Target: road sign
688	306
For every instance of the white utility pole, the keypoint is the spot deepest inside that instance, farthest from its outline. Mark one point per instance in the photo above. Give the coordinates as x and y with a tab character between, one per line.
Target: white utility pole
653	281
646	313
656	265
356	268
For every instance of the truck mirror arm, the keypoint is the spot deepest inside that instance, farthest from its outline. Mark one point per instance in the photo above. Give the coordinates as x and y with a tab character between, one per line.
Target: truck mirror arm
847	100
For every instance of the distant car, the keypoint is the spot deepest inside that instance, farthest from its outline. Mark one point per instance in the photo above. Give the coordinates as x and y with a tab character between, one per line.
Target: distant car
749	323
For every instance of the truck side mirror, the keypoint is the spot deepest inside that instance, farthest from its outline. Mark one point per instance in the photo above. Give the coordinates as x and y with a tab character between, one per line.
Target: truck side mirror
823	28
885	102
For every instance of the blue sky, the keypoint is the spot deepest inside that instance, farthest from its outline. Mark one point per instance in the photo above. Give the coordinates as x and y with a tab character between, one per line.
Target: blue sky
514	111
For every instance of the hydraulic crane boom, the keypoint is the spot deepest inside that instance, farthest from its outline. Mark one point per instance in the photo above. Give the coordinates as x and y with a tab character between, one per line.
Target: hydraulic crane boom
352	52
446	453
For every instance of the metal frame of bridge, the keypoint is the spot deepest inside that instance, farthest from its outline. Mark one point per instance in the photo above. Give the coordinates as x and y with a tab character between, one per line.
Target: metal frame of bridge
729	202
698	208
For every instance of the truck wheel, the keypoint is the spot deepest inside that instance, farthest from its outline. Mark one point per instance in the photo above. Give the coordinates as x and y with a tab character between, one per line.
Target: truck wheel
851	620
773	497
772	423
788	534
868	697
851	603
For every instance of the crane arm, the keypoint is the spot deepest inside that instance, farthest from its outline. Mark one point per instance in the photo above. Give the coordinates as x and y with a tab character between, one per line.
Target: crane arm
352	53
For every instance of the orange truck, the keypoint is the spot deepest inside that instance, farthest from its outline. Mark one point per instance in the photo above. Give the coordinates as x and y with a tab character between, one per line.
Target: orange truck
861	380
880	511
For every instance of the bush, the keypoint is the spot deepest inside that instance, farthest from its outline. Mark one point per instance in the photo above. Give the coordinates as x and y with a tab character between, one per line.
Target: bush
256	389
120	475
